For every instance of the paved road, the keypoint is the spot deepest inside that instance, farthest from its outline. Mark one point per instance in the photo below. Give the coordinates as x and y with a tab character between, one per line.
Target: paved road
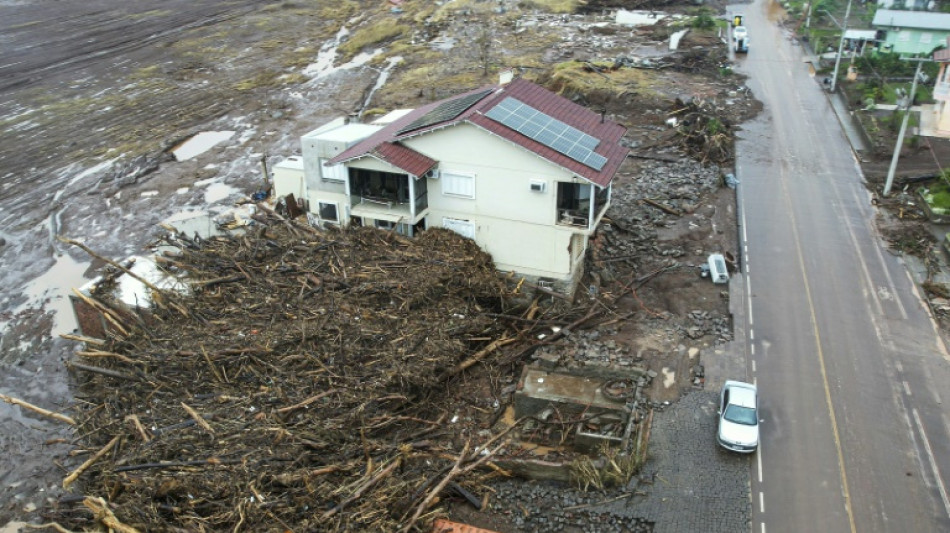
850	367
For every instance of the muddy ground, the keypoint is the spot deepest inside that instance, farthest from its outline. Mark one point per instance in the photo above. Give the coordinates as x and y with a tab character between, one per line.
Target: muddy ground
89	117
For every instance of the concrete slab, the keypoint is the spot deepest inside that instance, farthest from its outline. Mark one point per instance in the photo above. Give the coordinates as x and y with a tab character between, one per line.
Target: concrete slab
538	389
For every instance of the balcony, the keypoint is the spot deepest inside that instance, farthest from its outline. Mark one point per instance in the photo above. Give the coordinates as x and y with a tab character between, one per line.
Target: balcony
580	205
386	196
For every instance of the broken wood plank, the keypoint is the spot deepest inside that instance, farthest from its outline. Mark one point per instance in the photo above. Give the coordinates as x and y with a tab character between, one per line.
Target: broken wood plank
665	208
45	412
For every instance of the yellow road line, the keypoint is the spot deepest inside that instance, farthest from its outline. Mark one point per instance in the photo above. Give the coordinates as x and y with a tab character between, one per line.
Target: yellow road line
821	360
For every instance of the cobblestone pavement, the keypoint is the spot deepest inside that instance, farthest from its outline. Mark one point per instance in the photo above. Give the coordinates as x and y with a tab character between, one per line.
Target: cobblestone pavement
698	485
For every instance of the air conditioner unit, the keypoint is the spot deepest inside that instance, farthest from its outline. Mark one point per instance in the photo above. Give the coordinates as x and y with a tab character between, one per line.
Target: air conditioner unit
537	186
432	174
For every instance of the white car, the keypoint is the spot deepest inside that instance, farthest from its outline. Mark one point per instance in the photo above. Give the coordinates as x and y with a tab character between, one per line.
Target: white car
739	32
739	417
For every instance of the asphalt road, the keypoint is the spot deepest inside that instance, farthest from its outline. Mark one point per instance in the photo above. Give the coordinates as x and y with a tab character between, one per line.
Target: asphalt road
850	367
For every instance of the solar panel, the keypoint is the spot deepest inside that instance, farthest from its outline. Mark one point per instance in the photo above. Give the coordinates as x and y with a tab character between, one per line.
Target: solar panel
445	111
548	131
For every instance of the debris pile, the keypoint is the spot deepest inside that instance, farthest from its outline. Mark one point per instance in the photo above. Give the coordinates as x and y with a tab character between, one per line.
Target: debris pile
661	194
305	385
705	134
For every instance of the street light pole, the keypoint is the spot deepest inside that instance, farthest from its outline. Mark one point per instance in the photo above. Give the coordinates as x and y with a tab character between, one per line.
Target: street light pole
900	136
844	29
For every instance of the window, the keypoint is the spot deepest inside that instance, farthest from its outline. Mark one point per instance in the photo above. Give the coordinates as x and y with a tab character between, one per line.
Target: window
458	184
335	172
926	38
402	229
464	228
327	211
903	36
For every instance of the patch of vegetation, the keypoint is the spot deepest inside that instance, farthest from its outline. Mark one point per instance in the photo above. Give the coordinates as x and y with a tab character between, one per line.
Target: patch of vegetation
937	196
148	72
370	35
340	10
293	78
551	6
703	20
299	57
267	78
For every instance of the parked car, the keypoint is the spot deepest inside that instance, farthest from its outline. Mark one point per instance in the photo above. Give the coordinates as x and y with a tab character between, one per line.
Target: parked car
739	417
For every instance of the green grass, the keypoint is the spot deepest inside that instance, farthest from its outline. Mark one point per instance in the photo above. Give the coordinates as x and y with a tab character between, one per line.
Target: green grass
371	35
937	196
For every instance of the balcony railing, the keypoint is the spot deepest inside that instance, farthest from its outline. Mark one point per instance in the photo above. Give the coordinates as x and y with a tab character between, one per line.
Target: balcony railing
574	217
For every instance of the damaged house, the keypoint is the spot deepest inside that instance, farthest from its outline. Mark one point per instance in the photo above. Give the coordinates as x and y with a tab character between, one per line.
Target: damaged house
522	171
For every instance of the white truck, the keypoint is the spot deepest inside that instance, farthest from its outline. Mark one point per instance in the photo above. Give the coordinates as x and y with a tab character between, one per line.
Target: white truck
740	39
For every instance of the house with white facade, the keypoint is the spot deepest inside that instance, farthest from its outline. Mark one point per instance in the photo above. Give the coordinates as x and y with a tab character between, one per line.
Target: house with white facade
522	171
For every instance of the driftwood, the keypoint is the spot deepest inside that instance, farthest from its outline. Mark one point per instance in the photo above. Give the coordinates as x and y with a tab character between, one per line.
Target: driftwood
665	208
27	405
325	363
89	462
103	514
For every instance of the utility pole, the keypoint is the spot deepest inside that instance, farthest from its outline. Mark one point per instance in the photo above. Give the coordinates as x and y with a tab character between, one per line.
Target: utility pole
844	29
900	136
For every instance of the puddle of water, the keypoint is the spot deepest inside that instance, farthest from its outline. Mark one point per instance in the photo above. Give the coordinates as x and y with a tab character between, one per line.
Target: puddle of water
200	144
326	55
219	191
133	293
54	287
361	59
443	44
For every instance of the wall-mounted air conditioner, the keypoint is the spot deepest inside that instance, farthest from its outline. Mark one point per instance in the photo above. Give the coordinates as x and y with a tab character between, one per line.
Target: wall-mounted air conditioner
537	186
432	174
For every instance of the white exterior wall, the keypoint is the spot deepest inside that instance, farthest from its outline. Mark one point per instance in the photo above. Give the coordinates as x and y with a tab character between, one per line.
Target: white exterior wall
289	178
513	223
341	201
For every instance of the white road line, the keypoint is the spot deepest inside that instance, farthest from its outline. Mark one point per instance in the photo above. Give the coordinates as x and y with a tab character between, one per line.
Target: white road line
758	457
933	463
899	366
751	334
761	502
753	361
748	291
907	388
763	527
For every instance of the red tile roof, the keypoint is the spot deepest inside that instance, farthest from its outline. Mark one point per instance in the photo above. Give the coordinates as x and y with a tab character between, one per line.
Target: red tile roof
407	159
607	132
